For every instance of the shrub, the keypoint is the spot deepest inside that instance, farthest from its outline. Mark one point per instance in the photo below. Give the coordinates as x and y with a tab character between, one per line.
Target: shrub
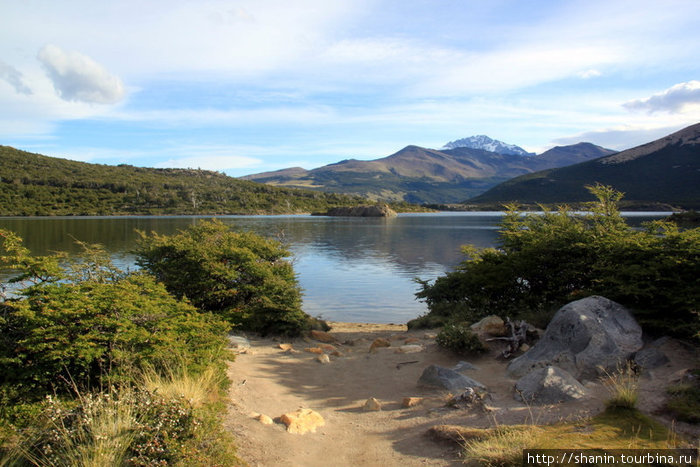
548	259
96	324
460	339
240	276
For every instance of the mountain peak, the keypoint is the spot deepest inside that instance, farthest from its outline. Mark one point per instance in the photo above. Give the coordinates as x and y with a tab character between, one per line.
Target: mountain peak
487	144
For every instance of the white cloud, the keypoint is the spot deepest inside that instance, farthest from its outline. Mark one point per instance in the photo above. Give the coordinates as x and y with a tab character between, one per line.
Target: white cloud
77	77
14	77
592	73
674	99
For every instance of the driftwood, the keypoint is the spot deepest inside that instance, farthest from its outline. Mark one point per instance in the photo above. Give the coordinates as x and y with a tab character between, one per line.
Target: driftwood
518	336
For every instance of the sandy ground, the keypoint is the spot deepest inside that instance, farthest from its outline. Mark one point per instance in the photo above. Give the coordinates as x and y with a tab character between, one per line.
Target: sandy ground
269	381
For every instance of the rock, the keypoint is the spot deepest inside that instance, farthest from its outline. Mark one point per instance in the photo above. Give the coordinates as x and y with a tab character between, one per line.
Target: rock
411	401
524	347
372	404
379	342
653	355
285	347
323	336
440	377
586	338
323	359
410	348
302	421
469	398
316	350
336	353
264	419
464	366
377	210
430	335
549	385
327	348
491	325
238	342
458	434
411	340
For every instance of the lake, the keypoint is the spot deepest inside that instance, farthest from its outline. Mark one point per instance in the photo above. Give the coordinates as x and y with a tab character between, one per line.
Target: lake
351	269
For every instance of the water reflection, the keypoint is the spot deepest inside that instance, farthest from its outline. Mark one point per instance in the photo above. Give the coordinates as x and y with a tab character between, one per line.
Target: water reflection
351	269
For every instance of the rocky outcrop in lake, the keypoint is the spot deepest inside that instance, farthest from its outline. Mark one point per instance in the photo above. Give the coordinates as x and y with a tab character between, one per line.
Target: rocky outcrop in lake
375	210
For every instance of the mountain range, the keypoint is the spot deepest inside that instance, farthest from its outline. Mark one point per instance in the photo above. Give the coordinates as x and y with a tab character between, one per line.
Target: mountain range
663	171
420	175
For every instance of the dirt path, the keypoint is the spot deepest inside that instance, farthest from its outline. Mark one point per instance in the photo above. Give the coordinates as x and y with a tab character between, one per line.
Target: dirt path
269	381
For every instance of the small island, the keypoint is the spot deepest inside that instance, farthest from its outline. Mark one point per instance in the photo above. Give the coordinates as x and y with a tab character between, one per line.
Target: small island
376	210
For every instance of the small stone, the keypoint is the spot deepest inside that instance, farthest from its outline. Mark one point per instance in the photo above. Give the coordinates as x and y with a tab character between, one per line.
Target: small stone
316	350
264	419
285	347
327	347
524	347
429	335
323	359
411	401
323	336
372	404
336	353
410	348
411	340
379	342
302	421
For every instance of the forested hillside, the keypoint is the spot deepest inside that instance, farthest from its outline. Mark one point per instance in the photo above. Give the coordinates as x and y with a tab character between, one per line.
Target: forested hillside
36	185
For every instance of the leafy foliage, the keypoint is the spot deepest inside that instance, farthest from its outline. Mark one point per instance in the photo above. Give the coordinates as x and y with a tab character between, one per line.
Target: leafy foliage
95	324
240	276
545	260
460	339
36	185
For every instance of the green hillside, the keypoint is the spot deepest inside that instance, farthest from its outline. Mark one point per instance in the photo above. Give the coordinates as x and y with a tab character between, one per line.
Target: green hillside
36	185
664	171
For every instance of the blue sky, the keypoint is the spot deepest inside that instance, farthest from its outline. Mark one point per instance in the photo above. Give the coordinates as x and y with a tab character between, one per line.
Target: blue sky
251	86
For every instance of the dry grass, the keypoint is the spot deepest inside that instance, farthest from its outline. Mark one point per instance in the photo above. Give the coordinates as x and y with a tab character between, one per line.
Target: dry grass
616	428
176	383
623	387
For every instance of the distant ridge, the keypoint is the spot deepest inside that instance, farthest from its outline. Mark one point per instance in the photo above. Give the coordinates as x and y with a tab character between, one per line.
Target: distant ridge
488	144
421	175
666	170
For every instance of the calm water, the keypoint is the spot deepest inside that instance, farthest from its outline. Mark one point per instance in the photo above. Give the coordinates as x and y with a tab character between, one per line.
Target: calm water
351	269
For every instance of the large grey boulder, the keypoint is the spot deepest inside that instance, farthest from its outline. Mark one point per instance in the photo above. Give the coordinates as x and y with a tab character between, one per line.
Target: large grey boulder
586	338
549	385
440	377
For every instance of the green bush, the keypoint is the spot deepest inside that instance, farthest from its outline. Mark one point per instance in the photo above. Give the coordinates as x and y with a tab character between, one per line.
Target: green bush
239	276
546	260
460	339
95	324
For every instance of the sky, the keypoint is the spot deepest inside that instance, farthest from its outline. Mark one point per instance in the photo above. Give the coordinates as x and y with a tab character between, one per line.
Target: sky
249	86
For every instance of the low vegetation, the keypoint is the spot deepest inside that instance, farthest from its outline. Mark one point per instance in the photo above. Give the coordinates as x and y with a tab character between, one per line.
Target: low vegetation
239	276
614	429
545	260
103	367
460	339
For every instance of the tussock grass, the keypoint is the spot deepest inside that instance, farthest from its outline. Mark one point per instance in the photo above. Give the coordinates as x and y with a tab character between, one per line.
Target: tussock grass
175	383
623	387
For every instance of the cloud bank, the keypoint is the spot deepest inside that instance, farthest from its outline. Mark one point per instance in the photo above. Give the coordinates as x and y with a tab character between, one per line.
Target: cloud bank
77	77
673	99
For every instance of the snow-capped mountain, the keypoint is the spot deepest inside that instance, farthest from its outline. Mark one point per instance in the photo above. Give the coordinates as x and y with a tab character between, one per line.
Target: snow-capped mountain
488	144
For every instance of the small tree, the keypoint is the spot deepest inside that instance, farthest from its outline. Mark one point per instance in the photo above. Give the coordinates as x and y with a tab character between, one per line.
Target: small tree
240	276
